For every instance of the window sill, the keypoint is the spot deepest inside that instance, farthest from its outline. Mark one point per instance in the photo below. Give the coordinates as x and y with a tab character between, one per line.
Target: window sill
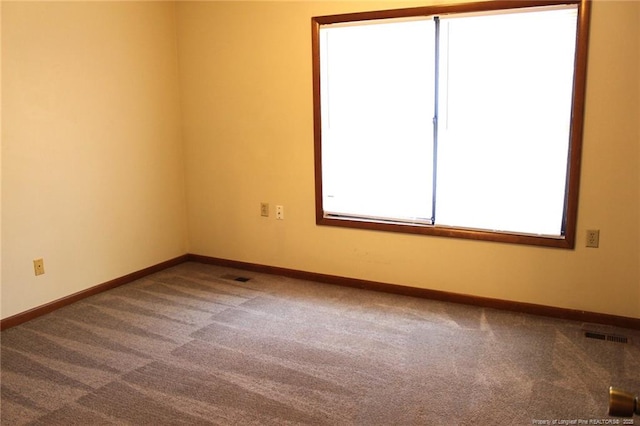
449	232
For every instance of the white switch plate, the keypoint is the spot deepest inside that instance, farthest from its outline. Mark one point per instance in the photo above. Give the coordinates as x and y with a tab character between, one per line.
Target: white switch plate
280	212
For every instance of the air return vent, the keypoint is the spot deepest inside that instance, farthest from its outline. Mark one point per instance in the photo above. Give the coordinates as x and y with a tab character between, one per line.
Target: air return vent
235	278
604	336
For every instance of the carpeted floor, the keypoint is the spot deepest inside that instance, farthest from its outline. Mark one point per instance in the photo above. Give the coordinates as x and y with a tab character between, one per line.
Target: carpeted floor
190	345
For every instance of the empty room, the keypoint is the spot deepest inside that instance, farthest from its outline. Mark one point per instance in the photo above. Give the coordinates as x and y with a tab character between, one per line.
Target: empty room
320	212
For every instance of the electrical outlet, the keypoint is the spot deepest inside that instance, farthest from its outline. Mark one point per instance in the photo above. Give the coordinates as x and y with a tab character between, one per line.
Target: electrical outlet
280	212
593	238
264	209
38	266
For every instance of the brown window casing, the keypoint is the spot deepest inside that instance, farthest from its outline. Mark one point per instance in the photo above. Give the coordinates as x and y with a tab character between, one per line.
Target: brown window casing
567	240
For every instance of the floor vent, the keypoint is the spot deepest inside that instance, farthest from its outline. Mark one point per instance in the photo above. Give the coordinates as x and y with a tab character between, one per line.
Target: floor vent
235	278
607	337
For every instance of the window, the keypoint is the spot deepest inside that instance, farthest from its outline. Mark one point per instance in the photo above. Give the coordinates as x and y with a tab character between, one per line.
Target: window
459	120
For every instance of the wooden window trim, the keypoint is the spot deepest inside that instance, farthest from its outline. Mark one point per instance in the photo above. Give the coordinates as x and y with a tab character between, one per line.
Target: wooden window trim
577	123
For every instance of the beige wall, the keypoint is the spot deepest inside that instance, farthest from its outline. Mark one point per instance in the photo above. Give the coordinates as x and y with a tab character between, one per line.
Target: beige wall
92	161
1	158
92	173
245	72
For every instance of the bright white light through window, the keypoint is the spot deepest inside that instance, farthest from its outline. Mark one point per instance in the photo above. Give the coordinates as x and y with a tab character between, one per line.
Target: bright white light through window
377	109
501	87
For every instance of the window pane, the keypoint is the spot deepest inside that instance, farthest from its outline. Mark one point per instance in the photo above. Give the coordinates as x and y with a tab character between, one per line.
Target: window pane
377	85
505	114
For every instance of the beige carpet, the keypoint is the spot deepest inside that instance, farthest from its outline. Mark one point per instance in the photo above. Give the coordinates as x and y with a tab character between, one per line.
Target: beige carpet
190	345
